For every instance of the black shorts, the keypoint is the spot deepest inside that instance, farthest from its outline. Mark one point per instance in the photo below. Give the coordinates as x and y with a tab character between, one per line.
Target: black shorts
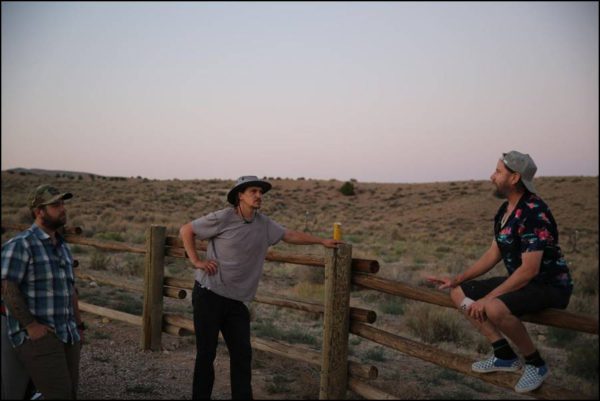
532	298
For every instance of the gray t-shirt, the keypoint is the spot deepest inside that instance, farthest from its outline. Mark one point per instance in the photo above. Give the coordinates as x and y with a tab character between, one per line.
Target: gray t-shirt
239	250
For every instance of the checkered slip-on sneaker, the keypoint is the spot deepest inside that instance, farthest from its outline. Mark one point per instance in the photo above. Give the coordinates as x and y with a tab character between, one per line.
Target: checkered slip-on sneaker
494	364
532	378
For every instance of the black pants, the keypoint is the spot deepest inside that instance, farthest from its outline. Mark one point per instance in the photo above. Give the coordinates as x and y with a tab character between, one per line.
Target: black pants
214	313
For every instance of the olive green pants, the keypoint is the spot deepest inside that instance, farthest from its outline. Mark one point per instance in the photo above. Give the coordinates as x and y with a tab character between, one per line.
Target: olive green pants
52	365
15	379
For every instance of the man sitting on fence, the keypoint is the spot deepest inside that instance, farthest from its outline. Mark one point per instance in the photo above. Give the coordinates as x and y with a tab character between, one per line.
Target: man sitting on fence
239	238
38	289
526	239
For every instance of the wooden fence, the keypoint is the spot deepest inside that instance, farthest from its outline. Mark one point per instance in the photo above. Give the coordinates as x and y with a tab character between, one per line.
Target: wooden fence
338	372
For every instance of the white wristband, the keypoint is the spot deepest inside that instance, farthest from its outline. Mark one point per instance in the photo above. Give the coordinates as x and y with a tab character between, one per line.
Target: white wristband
464	305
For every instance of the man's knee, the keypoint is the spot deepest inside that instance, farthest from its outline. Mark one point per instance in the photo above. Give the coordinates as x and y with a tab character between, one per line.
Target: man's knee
496	311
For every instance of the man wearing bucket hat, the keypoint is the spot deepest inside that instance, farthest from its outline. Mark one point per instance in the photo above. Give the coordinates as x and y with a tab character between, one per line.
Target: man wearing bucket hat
526	239
238	241
38	289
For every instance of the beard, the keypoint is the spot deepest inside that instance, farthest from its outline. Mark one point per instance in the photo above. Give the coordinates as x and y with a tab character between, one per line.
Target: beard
54	223
499	192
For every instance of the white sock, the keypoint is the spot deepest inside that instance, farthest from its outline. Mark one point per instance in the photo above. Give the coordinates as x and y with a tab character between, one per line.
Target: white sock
466	303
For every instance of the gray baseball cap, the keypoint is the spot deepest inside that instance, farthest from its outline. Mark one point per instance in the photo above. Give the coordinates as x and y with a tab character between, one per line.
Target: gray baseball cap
244	182
523	164
46	195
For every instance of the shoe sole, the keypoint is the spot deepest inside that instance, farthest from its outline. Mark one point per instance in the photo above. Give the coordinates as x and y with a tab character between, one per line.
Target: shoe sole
515	369
528	389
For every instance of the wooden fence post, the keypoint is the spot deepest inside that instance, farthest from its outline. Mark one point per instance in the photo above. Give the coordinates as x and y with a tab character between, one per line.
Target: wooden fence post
336	323
152	315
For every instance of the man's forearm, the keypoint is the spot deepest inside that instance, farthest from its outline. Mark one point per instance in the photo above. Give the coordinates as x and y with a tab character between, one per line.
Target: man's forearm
521	276
300	238
189	243
15	303
515	281
487	261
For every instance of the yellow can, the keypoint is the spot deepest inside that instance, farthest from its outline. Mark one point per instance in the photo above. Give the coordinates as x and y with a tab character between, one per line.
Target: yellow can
337	231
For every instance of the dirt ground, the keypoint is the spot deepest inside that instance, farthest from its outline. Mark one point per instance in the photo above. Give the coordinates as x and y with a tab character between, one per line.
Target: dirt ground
114	367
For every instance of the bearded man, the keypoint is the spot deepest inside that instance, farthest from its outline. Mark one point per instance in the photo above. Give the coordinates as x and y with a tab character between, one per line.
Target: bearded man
38	290
526	240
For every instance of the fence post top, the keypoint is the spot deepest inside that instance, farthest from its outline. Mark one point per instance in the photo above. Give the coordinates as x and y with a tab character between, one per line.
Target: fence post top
345	246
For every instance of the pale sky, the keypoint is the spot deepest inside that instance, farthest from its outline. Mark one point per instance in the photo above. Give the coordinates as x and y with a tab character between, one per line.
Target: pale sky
378	92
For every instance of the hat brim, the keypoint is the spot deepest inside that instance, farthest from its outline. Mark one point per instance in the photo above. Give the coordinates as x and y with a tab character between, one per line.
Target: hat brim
529	186
232	195
63	196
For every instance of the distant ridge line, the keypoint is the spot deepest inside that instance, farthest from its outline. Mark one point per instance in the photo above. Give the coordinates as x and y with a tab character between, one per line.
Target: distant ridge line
68	173
40	171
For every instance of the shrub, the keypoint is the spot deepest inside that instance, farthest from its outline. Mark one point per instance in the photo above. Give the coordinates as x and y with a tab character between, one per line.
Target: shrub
586	281
99	335
294	335
129	305
279	384
99	261
347	189
140	389
110	236
77	249
561	337
375	354
394	306
300	336
585	304
583	359
134	265
432	324
308	290
310	275
443	249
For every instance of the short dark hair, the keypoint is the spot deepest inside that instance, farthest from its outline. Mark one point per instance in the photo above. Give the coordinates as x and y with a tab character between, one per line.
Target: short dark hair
33	211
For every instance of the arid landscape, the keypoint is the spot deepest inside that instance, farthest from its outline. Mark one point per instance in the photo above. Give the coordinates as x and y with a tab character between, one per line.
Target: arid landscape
413	230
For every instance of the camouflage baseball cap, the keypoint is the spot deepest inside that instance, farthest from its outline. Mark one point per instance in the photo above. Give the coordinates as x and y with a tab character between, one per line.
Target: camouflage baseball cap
46	195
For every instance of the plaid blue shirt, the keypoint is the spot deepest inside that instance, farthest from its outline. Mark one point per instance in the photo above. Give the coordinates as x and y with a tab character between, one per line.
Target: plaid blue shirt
44	273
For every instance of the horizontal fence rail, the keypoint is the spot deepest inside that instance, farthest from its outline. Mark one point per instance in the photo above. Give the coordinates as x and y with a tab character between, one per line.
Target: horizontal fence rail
549	317
360	314
175	248
455	362
21	227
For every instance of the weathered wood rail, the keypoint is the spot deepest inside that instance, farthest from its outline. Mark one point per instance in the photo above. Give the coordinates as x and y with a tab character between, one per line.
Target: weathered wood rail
338	372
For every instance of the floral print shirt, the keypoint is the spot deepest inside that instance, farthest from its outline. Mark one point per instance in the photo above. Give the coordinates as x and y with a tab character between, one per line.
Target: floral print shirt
531	227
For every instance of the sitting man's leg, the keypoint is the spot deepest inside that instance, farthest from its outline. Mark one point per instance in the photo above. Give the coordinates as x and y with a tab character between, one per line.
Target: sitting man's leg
505	312
504	358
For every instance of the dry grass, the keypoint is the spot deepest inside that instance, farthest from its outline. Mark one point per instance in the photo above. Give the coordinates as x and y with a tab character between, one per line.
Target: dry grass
411	229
